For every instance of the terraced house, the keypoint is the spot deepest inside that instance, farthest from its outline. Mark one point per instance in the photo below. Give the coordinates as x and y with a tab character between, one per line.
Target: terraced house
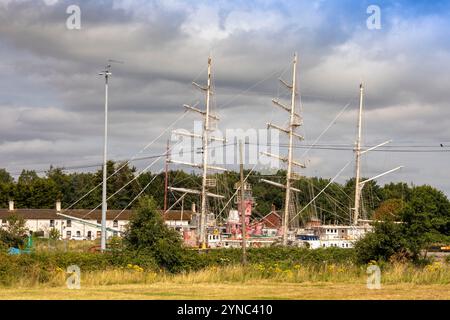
83	224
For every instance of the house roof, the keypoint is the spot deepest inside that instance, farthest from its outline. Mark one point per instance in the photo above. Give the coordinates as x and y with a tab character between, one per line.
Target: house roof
272	219
176	215
47	214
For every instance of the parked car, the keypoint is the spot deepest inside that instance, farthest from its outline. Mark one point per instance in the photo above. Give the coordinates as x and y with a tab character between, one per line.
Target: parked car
78	237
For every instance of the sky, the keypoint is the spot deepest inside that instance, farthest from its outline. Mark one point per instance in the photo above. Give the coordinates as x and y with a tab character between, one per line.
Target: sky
52	98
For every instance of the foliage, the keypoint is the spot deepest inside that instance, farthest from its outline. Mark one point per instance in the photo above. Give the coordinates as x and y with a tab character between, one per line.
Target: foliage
427	217
33	191
332	206
293	265
54	234
425	220
385	241
147	234
389	210
14	234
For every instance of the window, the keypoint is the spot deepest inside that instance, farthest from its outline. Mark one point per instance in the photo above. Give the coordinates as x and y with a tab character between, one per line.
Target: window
69	223
68	234
99	221
99	234
78	233
115	233
52	223
4	221
115	223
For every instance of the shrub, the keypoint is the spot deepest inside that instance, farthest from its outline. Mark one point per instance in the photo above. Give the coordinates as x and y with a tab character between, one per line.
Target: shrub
148	235
384	242
15	233
54	234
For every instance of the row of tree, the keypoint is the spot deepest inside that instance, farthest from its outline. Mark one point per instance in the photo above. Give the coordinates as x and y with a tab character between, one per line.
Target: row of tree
83	190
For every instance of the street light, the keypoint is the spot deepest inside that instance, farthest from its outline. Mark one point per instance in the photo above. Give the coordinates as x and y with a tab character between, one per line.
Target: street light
107	74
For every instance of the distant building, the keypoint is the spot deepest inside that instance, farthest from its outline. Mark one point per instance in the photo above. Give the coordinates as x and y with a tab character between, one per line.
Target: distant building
271	223
44	220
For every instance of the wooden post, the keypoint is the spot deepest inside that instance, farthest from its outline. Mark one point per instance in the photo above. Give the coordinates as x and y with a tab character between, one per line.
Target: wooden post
166	178
244	231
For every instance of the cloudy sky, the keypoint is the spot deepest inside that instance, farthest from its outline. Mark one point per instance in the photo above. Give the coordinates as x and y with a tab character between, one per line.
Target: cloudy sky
51	97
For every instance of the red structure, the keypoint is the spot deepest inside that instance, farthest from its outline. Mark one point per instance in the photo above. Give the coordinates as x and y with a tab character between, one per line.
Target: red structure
272	220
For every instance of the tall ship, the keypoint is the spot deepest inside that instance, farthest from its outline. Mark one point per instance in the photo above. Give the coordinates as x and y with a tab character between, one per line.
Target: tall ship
240	227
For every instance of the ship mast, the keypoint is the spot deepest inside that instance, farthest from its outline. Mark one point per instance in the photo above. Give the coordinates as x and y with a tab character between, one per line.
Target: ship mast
205	158
294	123
358	156
206	139
359	185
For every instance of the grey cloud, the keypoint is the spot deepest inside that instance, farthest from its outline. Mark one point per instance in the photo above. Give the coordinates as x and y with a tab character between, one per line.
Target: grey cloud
52	102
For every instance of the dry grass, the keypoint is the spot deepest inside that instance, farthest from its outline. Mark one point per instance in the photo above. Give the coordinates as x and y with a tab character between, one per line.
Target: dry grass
49	245
254	290
399	281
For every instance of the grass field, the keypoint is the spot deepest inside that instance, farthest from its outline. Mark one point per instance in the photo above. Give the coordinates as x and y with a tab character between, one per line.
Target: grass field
258	290
235	282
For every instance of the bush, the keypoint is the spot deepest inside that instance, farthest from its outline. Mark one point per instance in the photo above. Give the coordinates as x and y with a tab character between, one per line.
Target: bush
54	234
286	256
385	242
15	233
149	235
43	267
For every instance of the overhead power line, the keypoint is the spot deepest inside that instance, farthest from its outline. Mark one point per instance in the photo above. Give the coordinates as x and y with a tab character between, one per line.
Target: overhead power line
410	148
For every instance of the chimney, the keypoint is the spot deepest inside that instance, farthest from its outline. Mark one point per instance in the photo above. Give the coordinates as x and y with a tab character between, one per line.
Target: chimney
11	205
193	207
58	205
273	208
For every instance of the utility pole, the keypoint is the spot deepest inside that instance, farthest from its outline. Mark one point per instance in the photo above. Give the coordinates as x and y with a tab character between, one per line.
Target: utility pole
106	73
294	122
166	178
244	230
358	187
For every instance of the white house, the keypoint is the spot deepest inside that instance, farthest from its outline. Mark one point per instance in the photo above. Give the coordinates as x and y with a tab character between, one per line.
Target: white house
44	220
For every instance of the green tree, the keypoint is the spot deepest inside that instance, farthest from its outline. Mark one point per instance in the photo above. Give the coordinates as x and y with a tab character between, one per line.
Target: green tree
31	191
386	240
398	190
371	195
5	177
6	188
62	184
389	210
426	217
147	233
425	220
15	232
